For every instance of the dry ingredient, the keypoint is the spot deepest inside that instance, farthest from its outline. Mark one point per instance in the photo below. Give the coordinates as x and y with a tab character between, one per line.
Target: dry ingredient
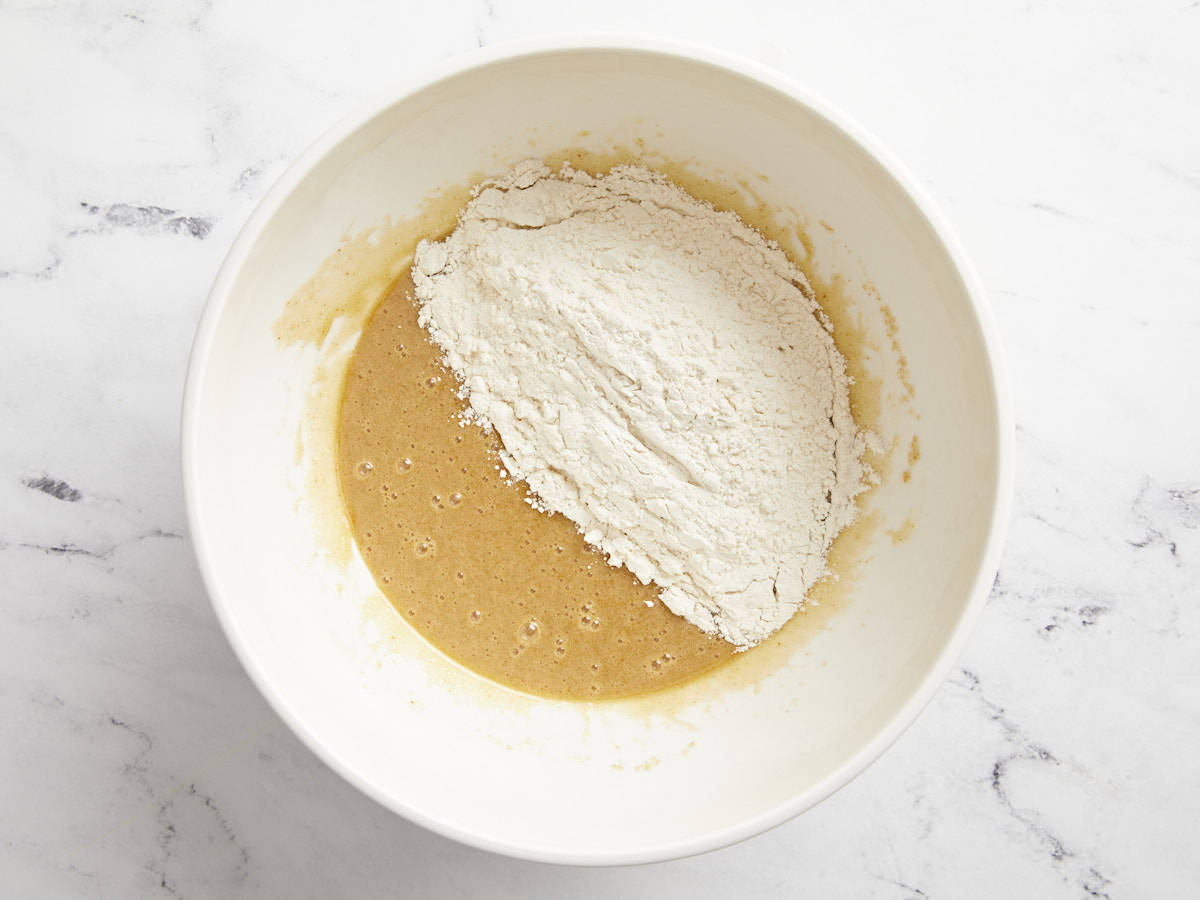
660	374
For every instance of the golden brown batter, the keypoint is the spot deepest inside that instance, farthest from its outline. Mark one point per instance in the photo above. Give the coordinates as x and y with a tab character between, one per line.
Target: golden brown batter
509	592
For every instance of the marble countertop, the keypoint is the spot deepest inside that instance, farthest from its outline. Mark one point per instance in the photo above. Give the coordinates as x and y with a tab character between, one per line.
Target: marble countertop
1062	759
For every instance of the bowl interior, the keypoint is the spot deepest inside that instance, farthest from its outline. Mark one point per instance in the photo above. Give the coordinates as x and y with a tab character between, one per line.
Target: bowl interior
625	781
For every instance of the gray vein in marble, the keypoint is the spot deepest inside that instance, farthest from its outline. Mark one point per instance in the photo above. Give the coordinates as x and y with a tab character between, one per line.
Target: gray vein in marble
1094	884
147	220
45	273
1023	749
1053	210
59	490
485	22
248	178
1190	179
1086	616
58	549
1159	510
138	767
173	813
101	553
910	892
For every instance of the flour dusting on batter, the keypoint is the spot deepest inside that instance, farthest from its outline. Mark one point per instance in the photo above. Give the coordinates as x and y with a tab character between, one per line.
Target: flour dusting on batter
660	374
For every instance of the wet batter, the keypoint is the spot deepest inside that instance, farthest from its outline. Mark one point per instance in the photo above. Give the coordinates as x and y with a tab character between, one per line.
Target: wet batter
509	592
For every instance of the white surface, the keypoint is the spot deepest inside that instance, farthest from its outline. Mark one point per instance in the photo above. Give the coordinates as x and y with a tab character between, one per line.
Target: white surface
628	782
1059	760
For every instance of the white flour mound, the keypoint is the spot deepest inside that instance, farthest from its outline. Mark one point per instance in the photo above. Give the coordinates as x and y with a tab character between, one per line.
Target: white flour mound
660	374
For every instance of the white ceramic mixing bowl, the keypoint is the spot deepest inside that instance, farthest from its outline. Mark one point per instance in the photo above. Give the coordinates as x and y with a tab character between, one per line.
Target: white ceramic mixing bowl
630	781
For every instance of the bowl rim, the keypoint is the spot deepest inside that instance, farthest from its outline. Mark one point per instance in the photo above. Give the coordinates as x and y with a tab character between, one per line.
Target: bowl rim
1001	498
